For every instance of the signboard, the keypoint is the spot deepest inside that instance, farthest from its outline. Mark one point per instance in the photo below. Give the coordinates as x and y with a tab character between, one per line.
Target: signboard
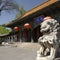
39	19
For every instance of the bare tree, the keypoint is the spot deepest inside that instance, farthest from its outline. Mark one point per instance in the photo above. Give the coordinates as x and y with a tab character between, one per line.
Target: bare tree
8	5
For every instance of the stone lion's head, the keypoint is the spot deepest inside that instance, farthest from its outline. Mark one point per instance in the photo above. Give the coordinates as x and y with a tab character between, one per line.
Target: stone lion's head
49	28
49	25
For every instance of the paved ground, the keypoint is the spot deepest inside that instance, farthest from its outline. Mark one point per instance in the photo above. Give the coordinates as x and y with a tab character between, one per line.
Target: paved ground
17	53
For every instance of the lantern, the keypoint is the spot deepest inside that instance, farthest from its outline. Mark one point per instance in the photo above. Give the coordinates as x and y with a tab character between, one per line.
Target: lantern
16	28
27	25
47	18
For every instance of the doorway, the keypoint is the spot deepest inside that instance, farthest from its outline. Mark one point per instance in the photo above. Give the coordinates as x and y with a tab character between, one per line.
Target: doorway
36	34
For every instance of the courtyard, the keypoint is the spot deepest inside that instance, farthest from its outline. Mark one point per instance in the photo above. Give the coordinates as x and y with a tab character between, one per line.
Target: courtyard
18	53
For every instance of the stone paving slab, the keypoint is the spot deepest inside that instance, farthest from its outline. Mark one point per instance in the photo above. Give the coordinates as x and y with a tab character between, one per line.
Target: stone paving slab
31	46
23	51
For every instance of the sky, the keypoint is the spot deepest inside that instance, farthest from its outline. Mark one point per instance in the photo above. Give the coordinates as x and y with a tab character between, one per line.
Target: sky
6	17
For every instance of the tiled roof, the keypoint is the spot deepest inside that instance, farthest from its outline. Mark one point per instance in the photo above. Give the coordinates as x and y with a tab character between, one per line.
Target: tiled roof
3	35
37	8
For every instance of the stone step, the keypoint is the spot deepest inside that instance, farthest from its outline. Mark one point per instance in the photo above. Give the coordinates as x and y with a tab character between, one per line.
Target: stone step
32	46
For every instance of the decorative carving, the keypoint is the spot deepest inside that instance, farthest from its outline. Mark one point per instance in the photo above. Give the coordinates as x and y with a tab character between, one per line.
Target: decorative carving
50	41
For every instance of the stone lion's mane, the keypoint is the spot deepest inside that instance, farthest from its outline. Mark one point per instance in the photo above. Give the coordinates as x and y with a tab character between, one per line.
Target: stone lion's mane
50	41
53	29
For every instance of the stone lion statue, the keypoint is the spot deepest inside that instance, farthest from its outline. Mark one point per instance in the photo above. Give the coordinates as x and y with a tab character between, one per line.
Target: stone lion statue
50	41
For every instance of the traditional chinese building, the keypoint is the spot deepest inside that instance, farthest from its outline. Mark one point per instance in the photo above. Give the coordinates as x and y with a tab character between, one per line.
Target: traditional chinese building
29	23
